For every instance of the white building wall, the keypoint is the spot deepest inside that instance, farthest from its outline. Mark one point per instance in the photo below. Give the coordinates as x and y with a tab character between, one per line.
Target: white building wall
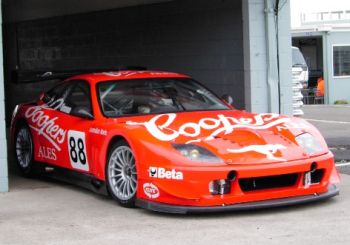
338	87
260	57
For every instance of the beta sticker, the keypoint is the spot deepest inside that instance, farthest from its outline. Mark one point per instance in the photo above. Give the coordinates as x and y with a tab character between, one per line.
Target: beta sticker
151	190
162	173
77	150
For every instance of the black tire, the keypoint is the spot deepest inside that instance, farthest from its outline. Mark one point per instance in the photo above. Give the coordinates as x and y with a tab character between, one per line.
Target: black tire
24	149
121	173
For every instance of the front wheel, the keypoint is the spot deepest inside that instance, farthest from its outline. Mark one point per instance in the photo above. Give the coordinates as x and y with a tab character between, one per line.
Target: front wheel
24	150
121	174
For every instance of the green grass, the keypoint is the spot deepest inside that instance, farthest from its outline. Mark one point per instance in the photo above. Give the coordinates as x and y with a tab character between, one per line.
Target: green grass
341	102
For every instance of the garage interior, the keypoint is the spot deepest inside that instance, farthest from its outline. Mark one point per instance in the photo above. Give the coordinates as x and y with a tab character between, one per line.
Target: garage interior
312	49
200	38
227	45
186	37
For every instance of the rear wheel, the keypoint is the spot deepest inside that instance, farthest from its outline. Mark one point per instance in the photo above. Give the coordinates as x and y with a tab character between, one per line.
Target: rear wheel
24	149
121	174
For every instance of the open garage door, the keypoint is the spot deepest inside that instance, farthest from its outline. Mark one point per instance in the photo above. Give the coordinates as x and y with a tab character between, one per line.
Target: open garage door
202	39
199	38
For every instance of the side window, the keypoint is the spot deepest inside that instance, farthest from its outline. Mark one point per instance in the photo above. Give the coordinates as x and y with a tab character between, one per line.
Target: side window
78	101
54	98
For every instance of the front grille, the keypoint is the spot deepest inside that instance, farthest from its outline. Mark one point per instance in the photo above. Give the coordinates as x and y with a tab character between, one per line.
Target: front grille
269	182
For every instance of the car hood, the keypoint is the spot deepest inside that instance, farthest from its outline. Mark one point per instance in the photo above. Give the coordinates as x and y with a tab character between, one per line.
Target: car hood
234	136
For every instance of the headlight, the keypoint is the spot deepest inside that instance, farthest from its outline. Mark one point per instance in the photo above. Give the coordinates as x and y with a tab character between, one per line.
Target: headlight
309	143
196	153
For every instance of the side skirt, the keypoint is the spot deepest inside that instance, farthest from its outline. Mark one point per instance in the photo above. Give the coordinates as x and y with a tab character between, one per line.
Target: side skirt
86	181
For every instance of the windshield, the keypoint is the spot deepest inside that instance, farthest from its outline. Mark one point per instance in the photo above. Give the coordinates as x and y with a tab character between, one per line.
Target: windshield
155	95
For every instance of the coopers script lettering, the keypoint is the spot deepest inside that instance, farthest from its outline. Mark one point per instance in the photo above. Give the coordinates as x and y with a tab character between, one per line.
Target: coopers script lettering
46	126
220	125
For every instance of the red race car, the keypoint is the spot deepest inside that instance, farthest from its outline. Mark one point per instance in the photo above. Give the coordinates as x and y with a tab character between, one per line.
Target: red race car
162	141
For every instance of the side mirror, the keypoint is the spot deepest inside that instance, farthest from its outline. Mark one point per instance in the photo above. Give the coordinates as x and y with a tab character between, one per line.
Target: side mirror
227	99
82	112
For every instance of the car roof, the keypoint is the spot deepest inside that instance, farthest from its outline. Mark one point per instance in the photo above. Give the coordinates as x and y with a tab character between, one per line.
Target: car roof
125	75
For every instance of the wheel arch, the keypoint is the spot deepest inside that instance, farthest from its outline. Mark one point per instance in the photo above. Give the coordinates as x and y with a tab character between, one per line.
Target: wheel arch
113	140
114	143
14	127
103	158
20	121
26	170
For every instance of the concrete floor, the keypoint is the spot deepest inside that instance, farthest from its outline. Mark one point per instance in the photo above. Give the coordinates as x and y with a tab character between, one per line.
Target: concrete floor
39	211
47	212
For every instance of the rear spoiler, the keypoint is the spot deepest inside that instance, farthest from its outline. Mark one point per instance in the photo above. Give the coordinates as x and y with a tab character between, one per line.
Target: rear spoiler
28	76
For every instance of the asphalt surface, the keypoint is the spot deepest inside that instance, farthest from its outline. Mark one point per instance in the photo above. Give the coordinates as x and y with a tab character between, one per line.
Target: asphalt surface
41	211
334	123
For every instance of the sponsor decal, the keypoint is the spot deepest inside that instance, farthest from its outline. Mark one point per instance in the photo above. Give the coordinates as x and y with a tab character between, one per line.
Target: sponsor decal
160	127
65	109
162	173
151	190
98	131
46	126
77	150
268	150
219	125
47	153
132	73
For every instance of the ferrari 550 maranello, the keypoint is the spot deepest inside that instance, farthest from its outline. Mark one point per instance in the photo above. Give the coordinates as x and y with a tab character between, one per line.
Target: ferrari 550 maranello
162	141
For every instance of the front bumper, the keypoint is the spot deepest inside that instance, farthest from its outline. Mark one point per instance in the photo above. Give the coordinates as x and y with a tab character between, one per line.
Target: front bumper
193	189
332	191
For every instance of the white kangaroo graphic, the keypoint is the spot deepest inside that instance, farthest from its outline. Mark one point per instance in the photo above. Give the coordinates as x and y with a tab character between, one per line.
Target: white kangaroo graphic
268	150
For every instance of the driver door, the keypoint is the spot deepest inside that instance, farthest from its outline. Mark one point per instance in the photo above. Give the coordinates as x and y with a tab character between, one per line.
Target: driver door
75	117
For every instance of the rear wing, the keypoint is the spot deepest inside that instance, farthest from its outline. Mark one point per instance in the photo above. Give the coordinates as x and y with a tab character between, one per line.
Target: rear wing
29	76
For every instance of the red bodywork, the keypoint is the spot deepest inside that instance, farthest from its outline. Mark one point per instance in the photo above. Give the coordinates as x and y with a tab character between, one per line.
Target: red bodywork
233	135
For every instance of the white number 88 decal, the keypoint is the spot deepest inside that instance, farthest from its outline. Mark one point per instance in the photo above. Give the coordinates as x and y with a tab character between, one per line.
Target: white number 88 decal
77	150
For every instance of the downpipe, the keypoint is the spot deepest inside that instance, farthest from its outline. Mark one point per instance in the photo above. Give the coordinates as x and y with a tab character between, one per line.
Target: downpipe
271	58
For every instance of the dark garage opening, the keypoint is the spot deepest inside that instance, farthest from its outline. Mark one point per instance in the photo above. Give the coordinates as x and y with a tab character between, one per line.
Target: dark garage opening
199	38
312	50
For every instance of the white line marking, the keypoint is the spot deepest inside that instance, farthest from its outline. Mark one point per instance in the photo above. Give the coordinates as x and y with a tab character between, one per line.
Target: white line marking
342	164
326	121
327	106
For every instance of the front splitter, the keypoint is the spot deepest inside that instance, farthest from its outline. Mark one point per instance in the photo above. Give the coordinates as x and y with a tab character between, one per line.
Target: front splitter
332	191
